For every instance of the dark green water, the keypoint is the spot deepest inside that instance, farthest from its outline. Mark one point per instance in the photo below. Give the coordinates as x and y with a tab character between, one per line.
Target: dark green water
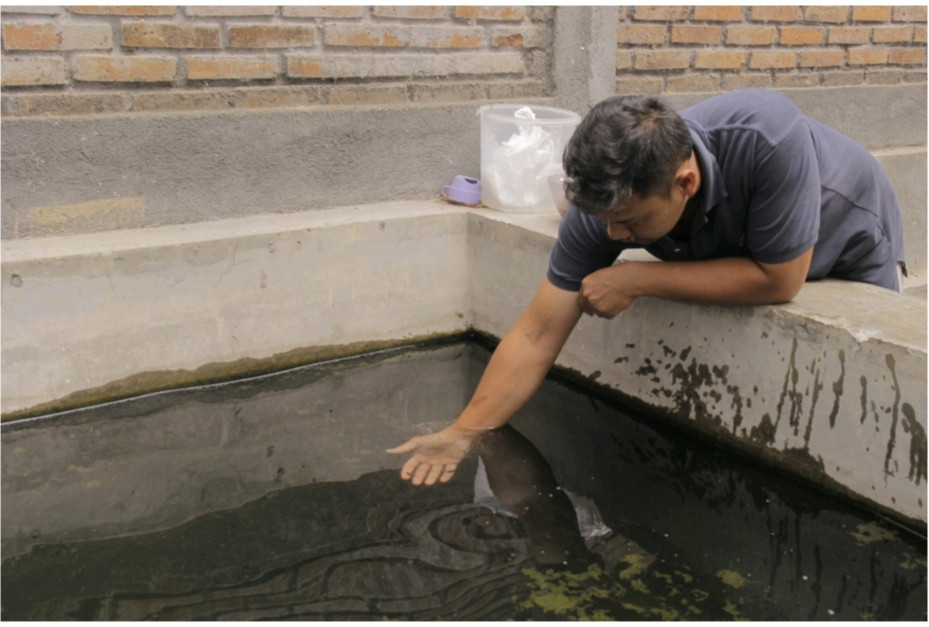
272	499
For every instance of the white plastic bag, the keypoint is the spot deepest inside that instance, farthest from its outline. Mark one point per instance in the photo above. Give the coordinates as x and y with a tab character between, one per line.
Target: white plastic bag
519	167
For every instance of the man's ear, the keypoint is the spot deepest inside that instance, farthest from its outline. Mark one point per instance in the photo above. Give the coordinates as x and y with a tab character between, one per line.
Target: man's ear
687	178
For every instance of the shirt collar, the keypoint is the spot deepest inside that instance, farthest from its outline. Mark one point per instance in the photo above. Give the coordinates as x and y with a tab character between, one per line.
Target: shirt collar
712	190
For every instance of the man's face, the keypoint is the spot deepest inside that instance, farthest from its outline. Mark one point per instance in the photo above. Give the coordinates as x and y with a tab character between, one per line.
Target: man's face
643	221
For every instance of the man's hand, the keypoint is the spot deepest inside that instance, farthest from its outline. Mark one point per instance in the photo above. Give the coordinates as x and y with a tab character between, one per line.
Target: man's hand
436	455
608	291
728	281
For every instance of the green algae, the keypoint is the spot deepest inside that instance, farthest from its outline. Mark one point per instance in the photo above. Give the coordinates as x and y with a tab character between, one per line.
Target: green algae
634	593
638	564
731	578
568	594
869	533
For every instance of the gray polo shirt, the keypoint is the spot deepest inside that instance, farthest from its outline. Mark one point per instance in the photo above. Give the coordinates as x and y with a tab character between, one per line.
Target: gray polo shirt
774	183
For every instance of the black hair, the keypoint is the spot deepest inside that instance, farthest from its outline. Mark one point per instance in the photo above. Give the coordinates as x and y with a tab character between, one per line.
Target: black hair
625	146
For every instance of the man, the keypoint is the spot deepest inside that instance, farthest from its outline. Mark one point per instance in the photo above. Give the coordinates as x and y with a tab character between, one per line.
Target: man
743	198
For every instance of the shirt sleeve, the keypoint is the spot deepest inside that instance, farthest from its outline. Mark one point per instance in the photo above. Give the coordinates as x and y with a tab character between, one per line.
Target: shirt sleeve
582	247
784	211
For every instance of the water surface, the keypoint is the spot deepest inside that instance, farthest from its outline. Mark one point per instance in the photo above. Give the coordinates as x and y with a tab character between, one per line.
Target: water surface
272	498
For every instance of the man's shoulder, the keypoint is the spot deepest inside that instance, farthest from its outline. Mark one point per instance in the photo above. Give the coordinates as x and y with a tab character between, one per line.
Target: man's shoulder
768	112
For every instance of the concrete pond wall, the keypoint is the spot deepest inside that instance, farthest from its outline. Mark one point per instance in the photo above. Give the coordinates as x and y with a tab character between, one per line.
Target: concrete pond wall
146	251
830	387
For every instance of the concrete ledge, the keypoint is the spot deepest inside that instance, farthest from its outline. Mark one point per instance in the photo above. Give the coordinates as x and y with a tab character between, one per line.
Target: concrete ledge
831	386
94	317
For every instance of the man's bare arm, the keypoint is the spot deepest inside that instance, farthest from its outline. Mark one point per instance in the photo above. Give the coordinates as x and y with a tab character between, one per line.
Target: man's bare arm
731	281
513	374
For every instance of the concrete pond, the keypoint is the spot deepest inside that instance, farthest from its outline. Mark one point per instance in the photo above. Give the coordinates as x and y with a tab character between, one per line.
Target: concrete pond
272	497
146	464
830	387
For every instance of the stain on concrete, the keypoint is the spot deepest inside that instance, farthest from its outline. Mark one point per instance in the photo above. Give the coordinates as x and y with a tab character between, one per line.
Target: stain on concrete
82	217
892	438
160	380
791	397
917	444
838	388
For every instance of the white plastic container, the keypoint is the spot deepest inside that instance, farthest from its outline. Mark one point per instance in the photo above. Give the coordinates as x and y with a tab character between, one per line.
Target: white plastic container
521	147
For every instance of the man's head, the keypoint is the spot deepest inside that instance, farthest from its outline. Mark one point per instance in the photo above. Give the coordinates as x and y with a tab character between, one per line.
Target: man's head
625	147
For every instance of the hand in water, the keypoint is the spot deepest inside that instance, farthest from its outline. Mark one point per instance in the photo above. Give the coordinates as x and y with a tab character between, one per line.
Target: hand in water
436	455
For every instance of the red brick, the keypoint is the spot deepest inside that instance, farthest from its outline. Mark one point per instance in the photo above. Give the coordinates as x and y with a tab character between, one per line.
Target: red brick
341	12
22	36
72	103
298	67
892	34
751	35
693	82
410	12
147	35
231	68
623	60
829	14
19	36
660	14
31	9
790	80
270	36
822	58
33	71
720	59
842	78
508	40
366	36
634	84
449	37
774	14
641	34
910	14
800	36
849	35
772	60
229	11
742	80
907	56
867	56
919	35
725	13
872	13
136	69
688	34
490	13
128	10
661	60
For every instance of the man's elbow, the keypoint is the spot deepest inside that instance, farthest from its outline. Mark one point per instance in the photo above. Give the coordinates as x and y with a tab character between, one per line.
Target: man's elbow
780	292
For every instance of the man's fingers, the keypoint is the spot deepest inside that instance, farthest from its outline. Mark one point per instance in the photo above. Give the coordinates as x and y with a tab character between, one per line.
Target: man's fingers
420	474
447	473
436	473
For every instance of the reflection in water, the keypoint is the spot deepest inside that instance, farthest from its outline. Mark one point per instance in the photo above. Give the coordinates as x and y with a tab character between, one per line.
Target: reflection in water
271	499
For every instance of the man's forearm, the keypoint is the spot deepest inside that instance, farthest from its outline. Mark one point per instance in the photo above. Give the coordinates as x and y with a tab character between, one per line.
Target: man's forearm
514	373
522	359
730	281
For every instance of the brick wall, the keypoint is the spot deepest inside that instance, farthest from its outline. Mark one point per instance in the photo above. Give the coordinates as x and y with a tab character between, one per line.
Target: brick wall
58	60
139	58
718	48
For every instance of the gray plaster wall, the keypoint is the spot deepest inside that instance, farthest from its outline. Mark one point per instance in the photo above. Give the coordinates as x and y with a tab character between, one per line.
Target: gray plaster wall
81	174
